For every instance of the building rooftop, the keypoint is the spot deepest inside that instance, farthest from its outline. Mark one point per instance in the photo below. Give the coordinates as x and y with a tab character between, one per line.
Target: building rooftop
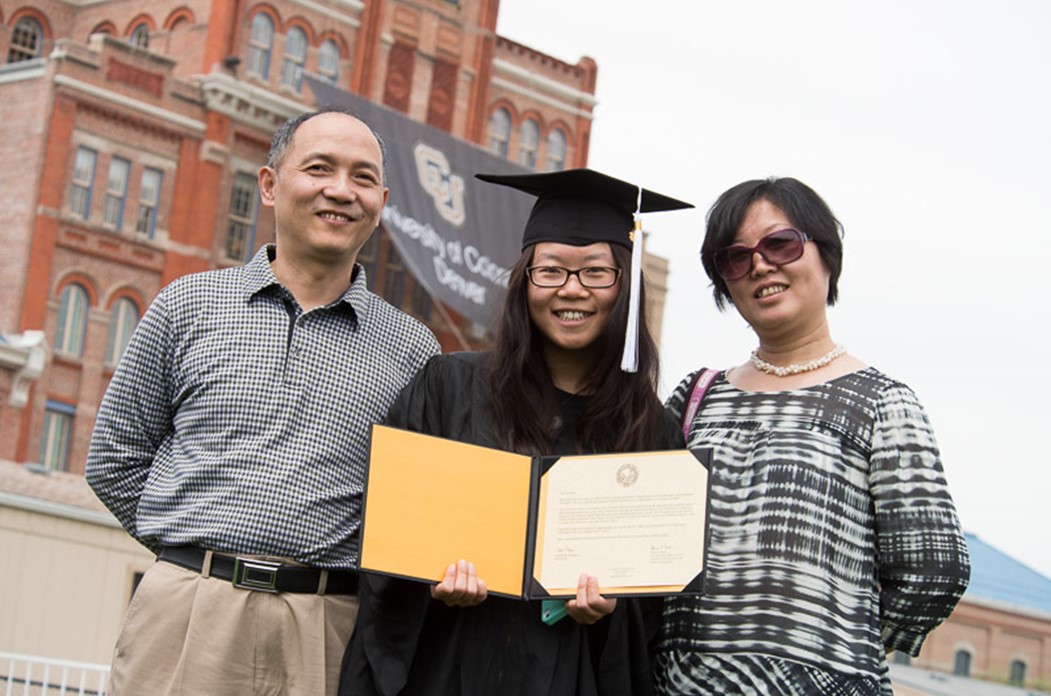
998	578
36	482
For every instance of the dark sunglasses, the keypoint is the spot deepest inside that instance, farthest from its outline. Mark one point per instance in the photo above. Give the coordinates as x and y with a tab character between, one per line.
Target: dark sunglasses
777	248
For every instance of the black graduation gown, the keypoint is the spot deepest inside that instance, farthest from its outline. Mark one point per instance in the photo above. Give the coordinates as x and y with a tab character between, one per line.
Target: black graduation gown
407	643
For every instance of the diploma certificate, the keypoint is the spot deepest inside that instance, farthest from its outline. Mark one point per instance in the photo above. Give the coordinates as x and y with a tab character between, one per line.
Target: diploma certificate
633	521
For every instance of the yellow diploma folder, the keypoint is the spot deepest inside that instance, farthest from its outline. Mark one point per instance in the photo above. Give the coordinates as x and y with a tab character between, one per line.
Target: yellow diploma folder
532	525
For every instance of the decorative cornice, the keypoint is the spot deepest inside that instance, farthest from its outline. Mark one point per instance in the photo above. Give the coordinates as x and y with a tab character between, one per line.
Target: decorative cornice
530	79
130	103
246	103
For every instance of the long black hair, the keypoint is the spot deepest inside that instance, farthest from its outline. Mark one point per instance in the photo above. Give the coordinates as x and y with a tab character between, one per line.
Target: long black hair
623	413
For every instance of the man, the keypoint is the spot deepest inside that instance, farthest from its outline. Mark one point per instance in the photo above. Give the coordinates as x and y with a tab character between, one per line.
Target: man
233	437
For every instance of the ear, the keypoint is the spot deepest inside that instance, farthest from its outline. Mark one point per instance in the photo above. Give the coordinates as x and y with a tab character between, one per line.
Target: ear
267	181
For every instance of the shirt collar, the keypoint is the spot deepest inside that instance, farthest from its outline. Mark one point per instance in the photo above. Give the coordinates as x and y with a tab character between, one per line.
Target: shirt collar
259	276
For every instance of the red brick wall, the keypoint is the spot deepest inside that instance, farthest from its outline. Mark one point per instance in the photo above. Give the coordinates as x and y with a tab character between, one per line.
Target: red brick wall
995	637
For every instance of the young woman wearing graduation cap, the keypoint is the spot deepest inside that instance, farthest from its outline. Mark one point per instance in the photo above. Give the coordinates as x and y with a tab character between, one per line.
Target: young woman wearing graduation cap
562	378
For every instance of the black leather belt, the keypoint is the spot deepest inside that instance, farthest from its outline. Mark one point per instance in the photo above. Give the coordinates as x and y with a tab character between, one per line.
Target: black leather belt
262	576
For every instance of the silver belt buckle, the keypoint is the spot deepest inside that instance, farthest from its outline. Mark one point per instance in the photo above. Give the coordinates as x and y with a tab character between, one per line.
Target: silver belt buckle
260	576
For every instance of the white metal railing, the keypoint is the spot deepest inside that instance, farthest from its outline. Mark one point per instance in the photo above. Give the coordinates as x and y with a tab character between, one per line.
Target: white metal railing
23	675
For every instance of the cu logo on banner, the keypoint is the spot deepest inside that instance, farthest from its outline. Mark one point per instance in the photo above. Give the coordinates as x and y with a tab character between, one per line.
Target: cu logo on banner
440	183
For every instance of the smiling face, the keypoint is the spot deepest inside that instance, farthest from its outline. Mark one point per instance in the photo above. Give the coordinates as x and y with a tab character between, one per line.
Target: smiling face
572	317
327	191
778	299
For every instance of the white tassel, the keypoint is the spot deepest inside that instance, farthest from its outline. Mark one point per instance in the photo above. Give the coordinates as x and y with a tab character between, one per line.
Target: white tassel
630	361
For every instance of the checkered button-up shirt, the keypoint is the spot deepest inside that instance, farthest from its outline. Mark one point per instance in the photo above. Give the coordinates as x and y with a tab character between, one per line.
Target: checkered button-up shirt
237	422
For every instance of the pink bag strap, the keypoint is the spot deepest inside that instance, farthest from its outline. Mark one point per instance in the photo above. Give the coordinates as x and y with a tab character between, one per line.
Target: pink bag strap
701	382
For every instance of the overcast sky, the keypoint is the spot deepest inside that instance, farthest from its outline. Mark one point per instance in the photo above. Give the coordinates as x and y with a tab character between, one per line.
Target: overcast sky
926	125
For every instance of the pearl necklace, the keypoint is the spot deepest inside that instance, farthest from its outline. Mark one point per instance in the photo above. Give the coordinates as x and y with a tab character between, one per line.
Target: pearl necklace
795	369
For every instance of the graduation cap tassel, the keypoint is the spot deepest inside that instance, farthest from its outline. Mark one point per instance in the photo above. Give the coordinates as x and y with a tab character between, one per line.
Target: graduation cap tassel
630	361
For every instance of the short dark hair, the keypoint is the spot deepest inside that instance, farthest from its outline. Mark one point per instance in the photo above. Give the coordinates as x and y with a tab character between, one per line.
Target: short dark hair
806	210
282	140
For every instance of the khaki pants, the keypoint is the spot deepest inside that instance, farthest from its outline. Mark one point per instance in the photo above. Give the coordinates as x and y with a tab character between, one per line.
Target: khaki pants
191	635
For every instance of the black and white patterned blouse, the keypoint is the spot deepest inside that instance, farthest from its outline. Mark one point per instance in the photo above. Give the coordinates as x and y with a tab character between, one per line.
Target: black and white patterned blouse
833	539
239	423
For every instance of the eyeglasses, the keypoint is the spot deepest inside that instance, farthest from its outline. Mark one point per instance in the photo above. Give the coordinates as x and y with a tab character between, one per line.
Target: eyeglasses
777	248
557	276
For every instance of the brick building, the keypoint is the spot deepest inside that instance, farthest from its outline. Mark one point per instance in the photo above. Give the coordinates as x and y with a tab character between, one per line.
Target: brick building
132	134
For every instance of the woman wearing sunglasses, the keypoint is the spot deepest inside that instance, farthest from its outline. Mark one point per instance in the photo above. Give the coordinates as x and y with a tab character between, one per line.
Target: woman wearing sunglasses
553	384
833	538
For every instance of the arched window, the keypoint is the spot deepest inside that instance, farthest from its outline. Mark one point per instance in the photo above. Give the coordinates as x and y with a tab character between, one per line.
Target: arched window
1017	676
140	35
328	61
528	140
26	40
961	664
500	132
72	320
295	56
259	44
122	320
556	151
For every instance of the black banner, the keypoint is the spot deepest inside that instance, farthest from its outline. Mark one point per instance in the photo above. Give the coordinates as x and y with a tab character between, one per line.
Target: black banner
457	235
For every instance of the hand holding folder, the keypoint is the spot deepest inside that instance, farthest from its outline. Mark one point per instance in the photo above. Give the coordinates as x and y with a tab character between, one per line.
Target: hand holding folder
461	586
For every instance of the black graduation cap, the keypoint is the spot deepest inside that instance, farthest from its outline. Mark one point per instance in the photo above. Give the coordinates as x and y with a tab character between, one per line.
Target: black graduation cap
581	207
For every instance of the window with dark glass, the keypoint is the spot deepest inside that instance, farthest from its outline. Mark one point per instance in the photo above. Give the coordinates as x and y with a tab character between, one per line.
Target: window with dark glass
81	183
295	57
260	42
26	40
556	151
54	440
149	198
240	230
72	320
528	140
328	61
140	36
500	132
1017	675
116	191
